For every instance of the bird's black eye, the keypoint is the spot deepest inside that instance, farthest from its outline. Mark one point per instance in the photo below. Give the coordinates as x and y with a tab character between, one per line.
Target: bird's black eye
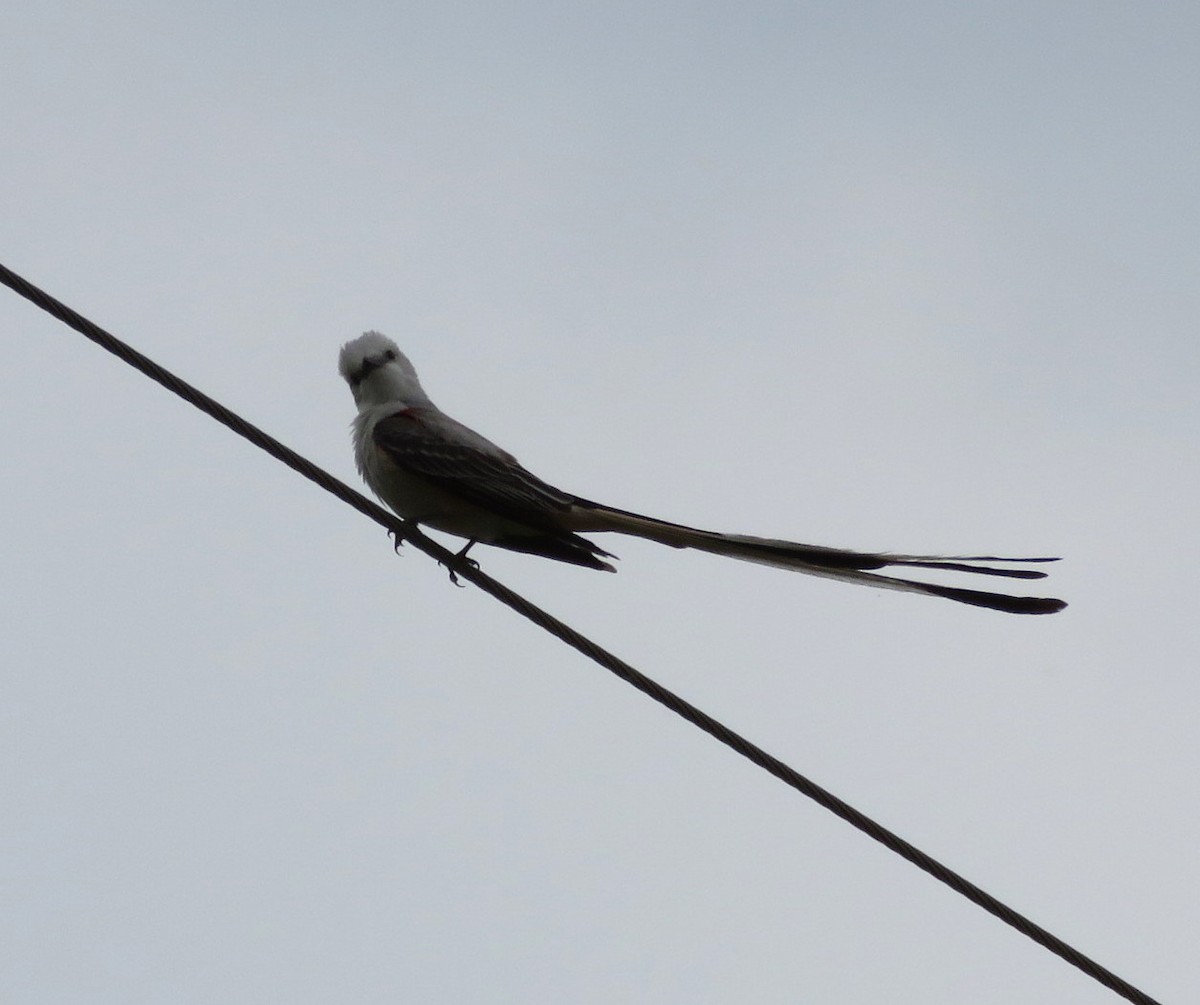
390	355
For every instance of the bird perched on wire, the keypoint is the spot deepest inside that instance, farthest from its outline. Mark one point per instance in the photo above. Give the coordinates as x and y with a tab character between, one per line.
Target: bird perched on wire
433	470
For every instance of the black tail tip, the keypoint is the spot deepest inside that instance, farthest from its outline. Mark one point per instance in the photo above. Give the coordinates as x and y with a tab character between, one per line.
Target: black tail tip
1039	605
997	601
1012	605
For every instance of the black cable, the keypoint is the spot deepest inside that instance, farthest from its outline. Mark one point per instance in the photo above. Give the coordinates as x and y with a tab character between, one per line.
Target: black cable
409	532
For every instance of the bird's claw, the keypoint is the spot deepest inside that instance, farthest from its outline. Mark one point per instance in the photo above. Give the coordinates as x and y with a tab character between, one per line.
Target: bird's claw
454	576
461	556
397	541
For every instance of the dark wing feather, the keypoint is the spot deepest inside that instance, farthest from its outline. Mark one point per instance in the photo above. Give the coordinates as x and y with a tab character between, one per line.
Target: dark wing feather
470	467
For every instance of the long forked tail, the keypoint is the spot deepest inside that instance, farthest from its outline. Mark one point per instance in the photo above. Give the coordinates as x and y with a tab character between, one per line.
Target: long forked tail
832	563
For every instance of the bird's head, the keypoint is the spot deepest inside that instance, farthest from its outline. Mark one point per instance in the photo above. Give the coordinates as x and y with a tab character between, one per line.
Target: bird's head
378	372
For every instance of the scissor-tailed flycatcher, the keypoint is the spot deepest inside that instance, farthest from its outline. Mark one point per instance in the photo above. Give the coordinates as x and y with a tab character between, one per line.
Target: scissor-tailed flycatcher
434	470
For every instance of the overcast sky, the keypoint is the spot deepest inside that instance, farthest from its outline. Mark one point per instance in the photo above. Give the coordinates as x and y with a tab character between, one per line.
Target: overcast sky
920	277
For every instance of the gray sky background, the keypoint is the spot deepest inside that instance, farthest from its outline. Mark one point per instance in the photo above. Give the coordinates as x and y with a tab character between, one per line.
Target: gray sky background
919	277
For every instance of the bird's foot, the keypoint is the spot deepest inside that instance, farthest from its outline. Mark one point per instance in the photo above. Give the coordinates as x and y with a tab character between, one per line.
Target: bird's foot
461	556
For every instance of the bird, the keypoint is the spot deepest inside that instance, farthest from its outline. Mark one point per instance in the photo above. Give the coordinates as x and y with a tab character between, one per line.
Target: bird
433	470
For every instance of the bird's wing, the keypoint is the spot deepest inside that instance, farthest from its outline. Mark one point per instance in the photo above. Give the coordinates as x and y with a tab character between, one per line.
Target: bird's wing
455	458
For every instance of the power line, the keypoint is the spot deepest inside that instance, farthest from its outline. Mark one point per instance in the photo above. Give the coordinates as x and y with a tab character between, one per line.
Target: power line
403	530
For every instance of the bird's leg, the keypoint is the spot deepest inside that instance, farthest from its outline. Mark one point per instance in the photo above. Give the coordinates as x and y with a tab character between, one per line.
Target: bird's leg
462	557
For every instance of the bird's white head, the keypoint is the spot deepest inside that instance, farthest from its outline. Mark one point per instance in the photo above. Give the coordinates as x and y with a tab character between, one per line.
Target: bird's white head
379	373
